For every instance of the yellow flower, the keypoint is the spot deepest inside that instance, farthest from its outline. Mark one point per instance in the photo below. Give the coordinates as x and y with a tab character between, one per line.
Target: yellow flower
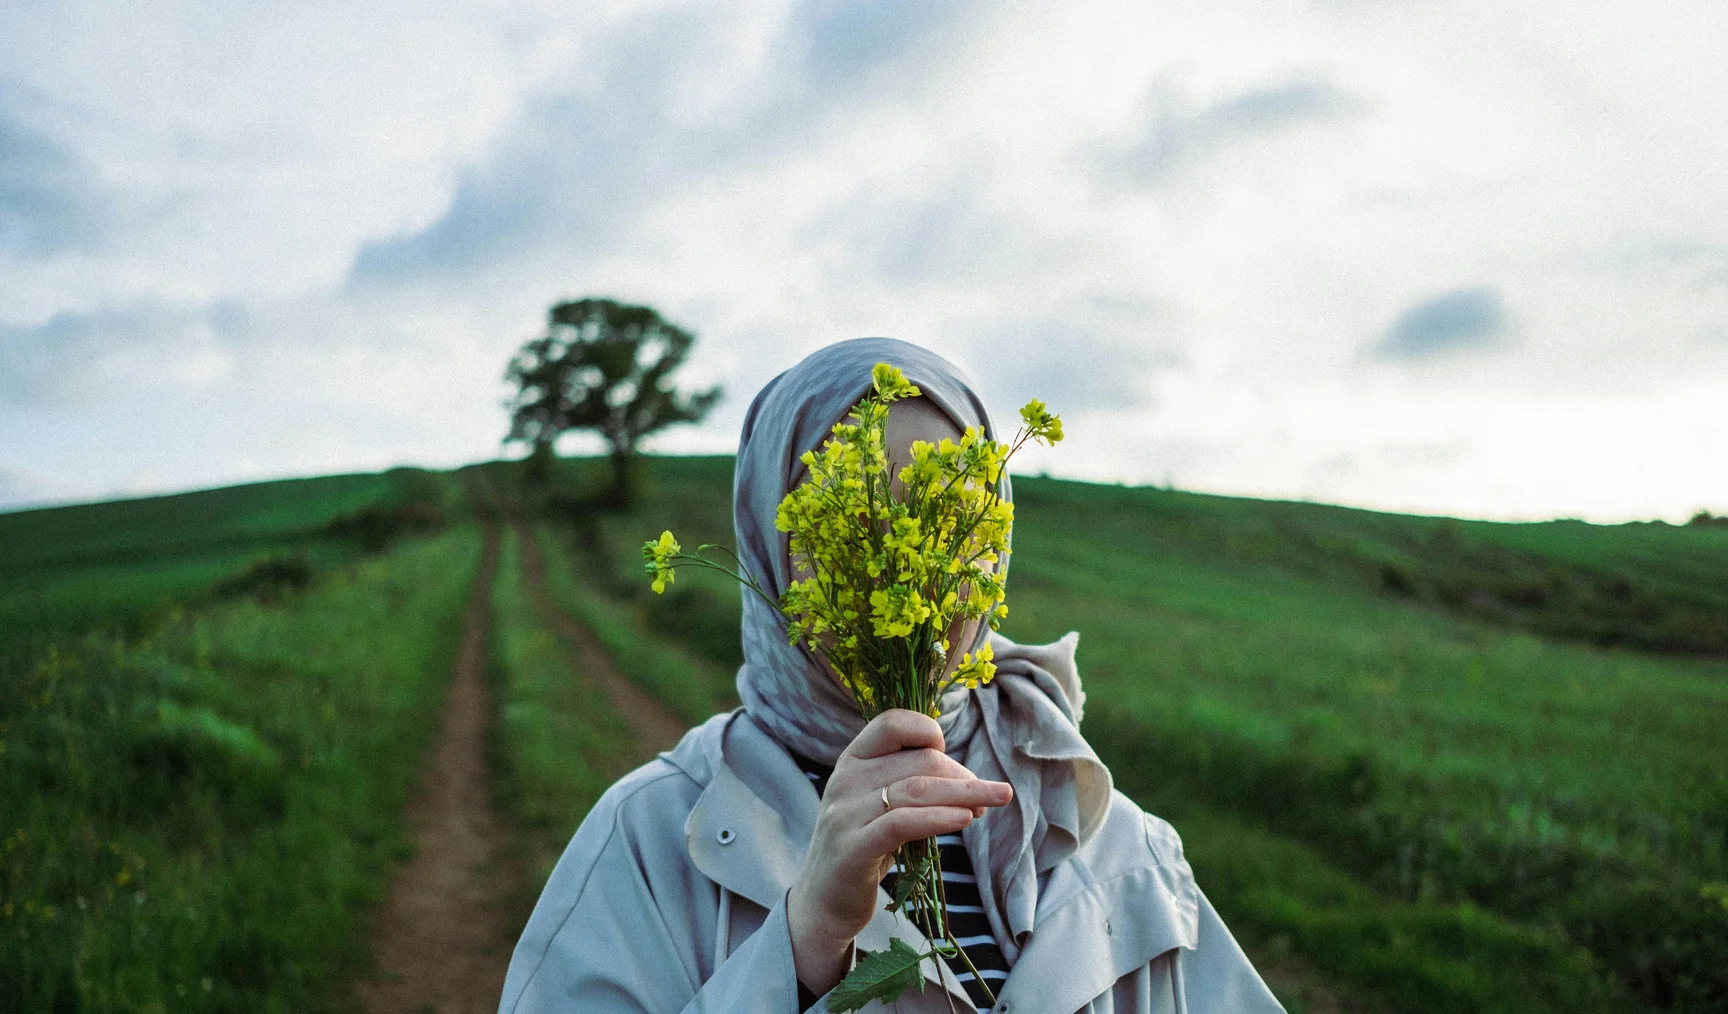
1041	424
890	384
891	568
659	556
976	668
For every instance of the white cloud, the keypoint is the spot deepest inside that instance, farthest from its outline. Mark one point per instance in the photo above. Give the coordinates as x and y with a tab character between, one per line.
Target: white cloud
1188	225
79	360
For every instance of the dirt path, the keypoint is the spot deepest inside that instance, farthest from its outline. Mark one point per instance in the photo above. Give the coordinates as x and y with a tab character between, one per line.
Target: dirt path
653	727
444	937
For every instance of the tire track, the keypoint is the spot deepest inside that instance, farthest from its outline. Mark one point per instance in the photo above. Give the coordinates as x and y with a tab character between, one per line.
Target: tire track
444	935
652	726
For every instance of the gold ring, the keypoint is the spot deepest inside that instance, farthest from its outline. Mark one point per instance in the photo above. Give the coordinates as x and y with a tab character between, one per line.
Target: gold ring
886	805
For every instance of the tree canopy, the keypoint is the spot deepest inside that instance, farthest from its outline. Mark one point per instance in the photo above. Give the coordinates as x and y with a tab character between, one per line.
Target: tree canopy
604	366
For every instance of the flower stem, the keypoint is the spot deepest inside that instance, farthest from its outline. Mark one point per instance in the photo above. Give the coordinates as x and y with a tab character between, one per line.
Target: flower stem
948	931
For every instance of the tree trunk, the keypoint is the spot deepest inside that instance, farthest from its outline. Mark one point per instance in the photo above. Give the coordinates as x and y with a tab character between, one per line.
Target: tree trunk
541	462
622	489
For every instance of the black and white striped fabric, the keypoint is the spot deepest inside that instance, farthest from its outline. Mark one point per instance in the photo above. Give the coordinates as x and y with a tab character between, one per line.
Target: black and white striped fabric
965	908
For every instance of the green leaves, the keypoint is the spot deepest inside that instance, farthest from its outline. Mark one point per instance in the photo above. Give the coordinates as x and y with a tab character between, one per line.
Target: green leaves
905	886
603	366
916	880
882	975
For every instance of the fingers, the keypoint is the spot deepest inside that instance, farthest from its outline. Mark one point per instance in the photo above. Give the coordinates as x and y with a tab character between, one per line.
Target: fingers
914	763
899	826
887	753
971	797
973	793
929	793
923	790
896	730
876	772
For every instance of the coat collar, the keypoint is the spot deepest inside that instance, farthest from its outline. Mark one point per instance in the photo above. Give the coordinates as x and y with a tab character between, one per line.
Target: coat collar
751	827
1128	894
1125	898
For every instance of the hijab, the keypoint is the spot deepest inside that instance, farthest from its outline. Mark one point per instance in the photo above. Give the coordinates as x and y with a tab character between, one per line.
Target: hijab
1024	728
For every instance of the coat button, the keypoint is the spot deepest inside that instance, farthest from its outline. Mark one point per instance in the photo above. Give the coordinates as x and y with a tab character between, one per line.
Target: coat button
1002	1008
726	836
1109	930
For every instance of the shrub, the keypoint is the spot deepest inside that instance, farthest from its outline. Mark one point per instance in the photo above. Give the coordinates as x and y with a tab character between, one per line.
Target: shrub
268	578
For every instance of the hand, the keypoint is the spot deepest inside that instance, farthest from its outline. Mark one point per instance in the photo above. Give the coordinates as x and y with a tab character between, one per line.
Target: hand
929	794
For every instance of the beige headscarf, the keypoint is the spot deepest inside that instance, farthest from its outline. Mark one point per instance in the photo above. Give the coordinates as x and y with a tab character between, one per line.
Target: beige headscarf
1022	729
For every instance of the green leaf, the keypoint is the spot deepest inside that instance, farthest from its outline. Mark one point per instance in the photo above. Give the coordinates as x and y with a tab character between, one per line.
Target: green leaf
882	975
904	888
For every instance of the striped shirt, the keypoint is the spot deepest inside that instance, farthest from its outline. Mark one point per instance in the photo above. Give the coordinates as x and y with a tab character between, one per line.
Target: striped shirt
965	907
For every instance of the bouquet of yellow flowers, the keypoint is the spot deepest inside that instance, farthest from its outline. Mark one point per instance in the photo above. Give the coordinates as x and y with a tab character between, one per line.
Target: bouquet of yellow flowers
892	564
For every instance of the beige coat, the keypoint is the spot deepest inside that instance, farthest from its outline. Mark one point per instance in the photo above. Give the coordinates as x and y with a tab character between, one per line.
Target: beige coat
672	897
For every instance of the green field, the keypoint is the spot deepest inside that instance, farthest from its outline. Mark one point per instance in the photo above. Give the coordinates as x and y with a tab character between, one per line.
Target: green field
557	746
212	707
1451	765
1419	764
123	565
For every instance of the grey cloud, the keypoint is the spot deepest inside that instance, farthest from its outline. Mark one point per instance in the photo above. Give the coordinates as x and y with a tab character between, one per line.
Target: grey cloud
947	234
843	42
51	201
1460	319
573	171
85	357
1088	350
941	238
583	165
1703	266
1178	133
1098	352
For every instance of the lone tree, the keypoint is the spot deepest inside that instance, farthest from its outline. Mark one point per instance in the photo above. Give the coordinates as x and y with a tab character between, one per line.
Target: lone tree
604	366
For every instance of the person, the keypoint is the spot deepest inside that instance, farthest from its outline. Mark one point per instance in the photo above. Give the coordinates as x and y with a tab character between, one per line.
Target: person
743	870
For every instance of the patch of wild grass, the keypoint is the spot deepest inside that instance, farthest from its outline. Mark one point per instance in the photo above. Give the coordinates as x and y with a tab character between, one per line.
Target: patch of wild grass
699	612
1283	896
1491	784
1442	758
693	687
200	821
125	565
557	743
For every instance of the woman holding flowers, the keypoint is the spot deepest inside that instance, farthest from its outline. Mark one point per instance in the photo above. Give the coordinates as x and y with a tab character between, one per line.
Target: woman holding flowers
903	814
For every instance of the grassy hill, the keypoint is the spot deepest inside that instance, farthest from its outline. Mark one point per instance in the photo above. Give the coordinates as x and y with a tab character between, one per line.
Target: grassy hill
212	707
1436	765
122	565
1472	766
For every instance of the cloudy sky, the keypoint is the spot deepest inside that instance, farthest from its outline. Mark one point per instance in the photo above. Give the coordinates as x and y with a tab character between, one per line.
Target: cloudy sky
1463	258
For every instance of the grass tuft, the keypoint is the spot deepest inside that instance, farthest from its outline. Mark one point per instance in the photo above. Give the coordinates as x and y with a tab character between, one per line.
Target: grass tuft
557	743
200	821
